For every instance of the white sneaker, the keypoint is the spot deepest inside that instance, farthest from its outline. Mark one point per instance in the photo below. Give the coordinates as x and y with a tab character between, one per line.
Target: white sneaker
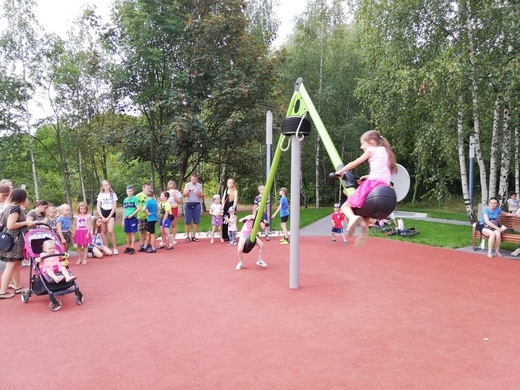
261	263
516	252
115	252
239	265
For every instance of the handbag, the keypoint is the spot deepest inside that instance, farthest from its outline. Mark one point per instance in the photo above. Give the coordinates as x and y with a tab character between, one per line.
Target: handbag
6	241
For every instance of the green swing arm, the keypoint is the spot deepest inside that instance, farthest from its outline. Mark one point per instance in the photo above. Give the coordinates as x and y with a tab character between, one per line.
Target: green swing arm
300	105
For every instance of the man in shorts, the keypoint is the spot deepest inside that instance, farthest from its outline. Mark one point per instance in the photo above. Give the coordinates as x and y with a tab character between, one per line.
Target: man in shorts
194	195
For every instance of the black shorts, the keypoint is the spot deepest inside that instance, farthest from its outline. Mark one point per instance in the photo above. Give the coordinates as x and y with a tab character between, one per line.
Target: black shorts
284	219
106	213
150	227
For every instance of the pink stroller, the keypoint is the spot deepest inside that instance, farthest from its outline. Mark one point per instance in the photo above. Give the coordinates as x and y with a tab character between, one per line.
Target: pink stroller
39	282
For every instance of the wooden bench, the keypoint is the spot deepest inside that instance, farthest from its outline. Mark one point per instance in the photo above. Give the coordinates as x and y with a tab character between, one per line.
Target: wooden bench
513	225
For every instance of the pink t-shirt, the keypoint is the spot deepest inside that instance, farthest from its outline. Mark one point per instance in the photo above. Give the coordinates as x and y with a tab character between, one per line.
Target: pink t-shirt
247	228
378	160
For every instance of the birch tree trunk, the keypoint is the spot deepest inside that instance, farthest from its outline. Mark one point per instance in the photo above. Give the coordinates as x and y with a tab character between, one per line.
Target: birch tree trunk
475	110
462	164
493	158
517	165
80	168
506	154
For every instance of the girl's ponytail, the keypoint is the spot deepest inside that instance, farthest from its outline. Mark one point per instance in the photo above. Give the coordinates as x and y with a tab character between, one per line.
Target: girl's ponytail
391	156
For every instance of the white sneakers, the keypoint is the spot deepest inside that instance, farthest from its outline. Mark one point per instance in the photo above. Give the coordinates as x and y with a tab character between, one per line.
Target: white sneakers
516	252
259	262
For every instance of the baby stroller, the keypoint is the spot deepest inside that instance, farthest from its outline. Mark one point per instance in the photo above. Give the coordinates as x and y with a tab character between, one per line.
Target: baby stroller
39	282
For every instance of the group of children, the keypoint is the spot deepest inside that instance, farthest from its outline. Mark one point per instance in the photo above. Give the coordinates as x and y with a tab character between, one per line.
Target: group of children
84	231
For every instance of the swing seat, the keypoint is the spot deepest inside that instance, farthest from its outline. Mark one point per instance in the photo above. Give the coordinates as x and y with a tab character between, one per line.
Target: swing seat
379	204
291	126
248	246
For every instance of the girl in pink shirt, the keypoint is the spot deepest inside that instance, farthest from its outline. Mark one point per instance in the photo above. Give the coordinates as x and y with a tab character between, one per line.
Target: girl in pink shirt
382	164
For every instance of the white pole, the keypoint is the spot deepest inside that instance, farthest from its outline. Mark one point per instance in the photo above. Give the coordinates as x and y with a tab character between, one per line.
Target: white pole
294	266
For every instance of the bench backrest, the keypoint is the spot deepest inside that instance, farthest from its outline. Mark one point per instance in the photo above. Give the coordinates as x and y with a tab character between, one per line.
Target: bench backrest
512	222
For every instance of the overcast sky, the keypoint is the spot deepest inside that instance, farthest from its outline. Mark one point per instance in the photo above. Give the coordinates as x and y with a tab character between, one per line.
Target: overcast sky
57	15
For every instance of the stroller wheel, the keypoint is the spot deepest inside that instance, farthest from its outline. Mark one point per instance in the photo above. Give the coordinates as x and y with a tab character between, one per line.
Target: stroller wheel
79	298
25	295
56	305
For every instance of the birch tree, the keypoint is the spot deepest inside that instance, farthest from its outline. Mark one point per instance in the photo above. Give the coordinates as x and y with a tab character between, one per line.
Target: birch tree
20	45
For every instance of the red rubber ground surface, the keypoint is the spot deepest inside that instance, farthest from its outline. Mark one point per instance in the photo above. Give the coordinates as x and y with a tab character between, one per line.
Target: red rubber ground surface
391	315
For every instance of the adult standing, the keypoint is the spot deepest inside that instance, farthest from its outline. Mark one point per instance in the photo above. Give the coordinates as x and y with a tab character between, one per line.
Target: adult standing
14	220
229	199
106	208
4	194
194	195
37	214
175	200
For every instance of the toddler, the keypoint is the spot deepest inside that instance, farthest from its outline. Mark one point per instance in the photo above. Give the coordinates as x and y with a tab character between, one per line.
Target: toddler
50	217
53	263
63	226
337	224
216	210
231	220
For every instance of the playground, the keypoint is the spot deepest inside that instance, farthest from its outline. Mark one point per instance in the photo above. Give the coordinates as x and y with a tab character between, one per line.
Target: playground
390	315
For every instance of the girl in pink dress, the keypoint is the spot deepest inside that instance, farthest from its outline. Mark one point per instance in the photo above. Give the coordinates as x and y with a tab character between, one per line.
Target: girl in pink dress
81	232
382	164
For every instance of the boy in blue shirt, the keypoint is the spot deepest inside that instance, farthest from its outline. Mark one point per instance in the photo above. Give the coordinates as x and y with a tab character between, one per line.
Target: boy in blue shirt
150	208
283	208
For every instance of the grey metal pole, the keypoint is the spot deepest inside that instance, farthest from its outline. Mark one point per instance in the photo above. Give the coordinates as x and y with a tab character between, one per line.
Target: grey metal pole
294	266
269	157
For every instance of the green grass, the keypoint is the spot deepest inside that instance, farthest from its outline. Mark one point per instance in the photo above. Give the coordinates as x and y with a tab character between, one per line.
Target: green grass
443	235
437	234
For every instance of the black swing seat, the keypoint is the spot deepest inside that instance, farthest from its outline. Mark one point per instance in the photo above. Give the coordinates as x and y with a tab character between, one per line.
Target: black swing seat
379	204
